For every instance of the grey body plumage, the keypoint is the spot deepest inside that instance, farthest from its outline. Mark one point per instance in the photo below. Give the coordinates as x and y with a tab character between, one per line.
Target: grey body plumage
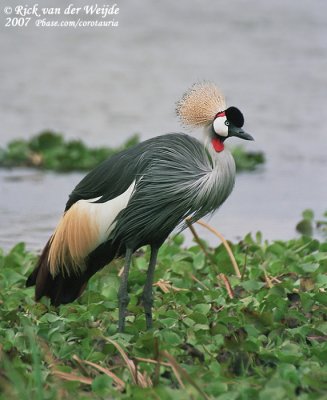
138	197
177	178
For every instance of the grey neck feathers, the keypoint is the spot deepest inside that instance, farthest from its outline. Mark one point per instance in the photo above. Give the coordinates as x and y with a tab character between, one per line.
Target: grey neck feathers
219	181
178	177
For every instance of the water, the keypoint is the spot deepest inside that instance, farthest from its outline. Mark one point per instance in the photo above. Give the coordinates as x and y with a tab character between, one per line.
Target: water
104	84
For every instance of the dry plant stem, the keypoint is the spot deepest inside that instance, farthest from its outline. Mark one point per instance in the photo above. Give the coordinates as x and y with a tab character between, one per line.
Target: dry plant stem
274	279
137	378
53	364
71	377
267	279
162	286
173	366
150	361
199	282
166	286
179	379
223	277
81	366
225	243
136	375
181	371
198	240
120	384
130	365
320	339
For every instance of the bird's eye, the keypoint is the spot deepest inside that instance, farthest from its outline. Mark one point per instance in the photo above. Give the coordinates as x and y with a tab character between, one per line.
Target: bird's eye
226	123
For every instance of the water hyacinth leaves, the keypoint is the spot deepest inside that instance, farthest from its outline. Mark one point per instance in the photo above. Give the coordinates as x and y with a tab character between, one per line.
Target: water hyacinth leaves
308	226
50	151
267	341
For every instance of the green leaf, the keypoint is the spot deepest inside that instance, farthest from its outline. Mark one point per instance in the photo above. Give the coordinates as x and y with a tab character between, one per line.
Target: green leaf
170	338
101	384
199	260
266	342
252	285
309	267
305	227
321	298
308	214
202	308
198	317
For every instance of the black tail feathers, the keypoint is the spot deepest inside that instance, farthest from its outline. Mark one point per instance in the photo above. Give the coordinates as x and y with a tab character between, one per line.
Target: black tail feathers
63	289
60	289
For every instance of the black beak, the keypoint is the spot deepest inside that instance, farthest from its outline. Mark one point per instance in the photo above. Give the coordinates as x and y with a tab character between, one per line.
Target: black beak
238	132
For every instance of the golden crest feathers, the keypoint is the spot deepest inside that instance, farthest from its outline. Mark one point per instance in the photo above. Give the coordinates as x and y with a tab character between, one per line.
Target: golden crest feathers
200	104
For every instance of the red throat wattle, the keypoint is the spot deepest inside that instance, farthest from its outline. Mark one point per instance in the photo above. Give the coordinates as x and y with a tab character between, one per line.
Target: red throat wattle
218	145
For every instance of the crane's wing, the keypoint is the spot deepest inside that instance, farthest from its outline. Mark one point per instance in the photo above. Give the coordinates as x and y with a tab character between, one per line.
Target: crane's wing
92	209
62	271
109	179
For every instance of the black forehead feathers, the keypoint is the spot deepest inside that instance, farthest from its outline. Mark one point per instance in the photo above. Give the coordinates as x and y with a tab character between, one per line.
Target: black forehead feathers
235	116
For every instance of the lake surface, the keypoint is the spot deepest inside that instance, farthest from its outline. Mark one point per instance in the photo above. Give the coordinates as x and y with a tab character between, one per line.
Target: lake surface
103	84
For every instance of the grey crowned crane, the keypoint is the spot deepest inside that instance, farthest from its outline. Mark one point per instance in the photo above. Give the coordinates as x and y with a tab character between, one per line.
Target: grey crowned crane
138	197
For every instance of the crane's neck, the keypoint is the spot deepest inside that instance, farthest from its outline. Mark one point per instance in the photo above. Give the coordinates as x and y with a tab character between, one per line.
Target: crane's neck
222	161
219	180
212	141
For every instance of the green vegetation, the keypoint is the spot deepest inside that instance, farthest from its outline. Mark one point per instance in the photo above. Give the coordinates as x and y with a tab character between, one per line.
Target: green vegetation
309	226
50	151
247	160
262	335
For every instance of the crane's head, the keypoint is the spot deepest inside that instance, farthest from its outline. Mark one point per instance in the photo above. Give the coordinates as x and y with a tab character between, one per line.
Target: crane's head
204	106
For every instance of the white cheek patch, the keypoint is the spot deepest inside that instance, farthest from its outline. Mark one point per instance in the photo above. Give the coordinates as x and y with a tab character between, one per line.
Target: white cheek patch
219	126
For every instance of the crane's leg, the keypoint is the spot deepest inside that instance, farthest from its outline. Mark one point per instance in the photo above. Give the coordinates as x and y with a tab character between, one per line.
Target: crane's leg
123	298
147	291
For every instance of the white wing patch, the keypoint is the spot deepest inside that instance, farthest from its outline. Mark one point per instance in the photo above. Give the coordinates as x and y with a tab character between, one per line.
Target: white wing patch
82	229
